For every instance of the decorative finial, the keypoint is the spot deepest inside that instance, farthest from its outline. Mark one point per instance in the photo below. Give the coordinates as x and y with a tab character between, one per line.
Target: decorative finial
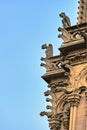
82	11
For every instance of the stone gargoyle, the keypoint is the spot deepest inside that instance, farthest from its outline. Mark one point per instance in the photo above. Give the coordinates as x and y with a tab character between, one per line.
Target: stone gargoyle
49	50
65	20
48	64
65	35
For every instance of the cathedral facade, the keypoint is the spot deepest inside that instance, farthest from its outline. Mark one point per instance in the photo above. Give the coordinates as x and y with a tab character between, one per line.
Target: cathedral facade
66	75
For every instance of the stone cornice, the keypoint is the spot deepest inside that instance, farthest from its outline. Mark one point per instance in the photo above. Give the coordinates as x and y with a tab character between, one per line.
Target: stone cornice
72	46
79	57
53	74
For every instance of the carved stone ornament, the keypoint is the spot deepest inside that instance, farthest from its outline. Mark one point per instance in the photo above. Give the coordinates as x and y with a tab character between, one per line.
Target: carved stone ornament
78	58
65	20
55	121
49	50
48	64
66	36
48	114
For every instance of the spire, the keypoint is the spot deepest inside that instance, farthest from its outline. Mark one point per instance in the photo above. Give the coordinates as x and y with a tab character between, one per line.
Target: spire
82	13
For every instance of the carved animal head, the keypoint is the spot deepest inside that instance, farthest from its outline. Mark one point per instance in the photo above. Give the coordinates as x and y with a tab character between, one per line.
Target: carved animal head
42	113
43	59
59	29
47	93
48	114
42	64
62	14
44	46
48	99
49	107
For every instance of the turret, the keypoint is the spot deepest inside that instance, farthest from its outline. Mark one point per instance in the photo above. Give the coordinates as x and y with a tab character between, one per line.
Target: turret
82	11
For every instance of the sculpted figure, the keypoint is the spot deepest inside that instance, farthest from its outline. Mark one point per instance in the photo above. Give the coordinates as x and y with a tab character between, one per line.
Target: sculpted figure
48	114
65	20
48	65
48	99
66	36
49	107
49	50
47	93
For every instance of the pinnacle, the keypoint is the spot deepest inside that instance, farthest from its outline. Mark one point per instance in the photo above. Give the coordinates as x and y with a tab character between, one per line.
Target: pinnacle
82	11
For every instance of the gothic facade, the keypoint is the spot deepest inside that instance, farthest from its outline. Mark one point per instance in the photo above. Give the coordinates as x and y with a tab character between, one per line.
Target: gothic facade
66	75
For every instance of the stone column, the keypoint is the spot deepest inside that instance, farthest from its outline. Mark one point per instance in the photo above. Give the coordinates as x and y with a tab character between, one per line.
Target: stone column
66	121
71	118
55	124
74	118
74	100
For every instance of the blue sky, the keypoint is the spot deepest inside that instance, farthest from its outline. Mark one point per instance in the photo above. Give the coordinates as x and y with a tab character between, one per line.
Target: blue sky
24	26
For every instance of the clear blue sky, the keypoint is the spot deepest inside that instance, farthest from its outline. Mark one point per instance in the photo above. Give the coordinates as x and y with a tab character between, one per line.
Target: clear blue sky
24	26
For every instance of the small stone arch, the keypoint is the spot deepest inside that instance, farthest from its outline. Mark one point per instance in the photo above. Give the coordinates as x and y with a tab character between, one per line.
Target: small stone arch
62	103
82	78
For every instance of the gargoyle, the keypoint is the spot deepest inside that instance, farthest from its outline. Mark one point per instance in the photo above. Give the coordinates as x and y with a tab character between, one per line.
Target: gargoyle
48	114
65	20
49	107
47	93
49	100
49	50
48	64
66	36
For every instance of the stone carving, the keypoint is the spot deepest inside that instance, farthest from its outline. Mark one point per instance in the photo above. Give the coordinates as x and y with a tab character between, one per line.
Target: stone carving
55	121
66	36
66	120
54	124
59	83
83	34
80	34
82	78
65	20
76	83
53	100
70	72
78	58
47	93
48	114
48	99
49	50
66	77
49	107
48	64
69	90
50	92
